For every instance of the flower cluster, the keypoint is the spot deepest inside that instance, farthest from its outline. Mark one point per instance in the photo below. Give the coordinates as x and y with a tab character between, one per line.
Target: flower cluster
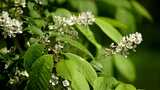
18	76
85	18
65	24
54	80
20	3
10	26
127	43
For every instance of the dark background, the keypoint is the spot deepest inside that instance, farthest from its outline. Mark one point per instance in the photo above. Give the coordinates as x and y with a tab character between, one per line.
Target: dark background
147	58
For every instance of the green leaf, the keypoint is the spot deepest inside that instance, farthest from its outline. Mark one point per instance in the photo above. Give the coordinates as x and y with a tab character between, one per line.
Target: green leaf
39	23
125	67
76	44
125	87
85	67
69	70
84	5
106	62
62	12
35	30
125	16
33	53
108	29
116	23
33	13
118	3
105	83
40	73
141	10
89	35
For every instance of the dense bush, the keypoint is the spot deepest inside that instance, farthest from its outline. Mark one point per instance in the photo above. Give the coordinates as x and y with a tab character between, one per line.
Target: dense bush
69	44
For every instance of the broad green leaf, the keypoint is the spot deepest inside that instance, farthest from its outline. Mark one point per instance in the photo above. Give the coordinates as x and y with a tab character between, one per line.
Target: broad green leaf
62	12
106	62
40	73
33	13
125	16
33	53
85	67
35	30
69	70
123	86
39	23
116	23
105	83
108	29
141	10
76	44
118	3
89	35
84	5
125	67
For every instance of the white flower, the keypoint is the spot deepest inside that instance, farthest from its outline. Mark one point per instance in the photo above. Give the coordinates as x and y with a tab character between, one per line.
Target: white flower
10	26
86	18
54	80
65	83
127	43
70	21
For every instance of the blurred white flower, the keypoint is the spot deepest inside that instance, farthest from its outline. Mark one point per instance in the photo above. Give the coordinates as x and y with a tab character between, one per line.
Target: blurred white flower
54	80
127	43
65	83
86	18
10	26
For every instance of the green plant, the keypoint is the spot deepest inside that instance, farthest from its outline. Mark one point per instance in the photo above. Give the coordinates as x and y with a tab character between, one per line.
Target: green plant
61	45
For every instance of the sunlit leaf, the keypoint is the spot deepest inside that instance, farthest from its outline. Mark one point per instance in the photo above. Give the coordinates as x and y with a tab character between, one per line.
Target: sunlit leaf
33	13
39	23
106	62
35	30
108	29
105	83
89	35
62	12
33	53
123	86
76	44
116	23
68	69
84	67
125	67
40	73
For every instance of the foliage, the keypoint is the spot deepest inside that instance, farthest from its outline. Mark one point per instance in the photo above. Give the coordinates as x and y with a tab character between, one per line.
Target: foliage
62	44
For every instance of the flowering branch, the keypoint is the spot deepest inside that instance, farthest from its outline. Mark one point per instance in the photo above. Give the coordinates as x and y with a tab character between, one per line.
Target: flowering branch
127	43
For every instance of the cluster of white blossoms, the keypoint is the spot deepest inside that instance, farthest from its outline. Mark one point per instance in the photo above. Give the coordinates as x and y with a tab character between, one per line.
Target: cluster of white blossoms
84	18
54	80
10	26
18	76
64	24
127	43
20	3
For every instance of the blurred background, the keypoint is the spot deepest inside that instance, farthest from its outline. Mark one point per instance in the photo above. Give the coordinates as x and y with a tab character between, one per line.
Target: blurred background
147	58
